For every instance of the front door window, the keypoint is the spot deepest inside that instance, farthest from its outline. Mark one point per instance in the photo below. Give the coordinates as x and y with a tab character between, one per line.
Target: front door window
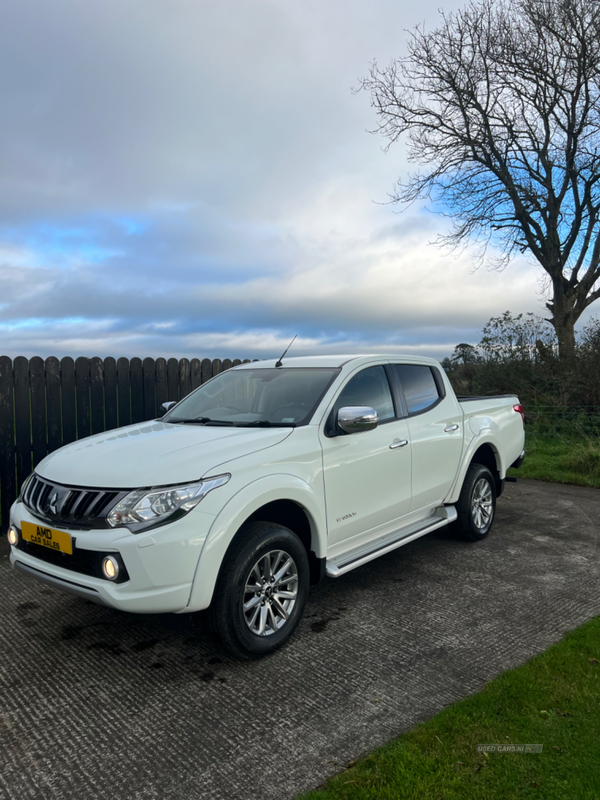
369	388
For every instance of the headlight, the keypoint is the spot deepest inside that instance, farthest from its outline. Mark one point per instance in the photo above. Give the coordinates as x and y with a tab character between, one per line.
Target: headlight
143	508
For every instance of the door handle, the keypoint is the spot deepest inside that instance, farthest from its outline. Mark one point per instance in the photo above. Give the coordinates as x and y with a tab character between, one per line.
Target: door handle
397	443
451	428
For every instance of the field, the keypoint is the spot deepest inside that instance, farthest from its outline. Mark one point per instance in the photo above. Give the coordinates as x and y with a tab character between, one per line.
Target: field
553	700
562	457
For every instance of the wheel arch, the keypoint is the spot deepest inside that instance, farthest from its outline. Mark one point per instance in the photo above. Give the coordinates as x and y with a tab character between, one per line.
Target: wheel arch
485	453
291	503
489	457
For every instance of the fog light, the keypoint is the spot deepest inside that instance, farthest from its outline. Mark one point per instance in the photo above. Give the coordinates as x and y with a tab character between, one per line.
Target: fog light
13	536
110	568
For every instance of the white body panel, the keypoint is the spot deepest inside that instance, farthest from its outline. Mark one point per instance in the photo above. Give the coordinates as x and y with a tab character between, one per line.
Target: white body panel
152	453
490	421
436	451
161	563
367	483
355	490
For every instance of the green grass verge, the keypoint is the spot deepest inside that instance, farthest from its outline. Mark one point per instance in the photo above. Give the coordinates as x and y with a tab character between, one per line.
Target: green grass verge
561	458
553	700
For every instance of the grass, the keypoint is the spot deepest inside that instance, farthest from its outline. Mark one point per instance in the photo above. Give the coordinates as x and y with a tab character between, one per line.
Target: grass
561	457
553	700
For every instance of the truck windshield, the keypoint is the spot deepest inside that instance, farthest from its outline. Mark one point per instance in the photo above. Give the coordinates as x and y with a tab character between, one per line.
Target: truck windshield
256	397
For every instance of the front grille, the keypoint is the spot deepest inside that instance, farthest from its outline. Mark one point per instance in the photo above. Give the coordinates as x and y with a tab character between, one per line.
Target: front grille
85	562
70	506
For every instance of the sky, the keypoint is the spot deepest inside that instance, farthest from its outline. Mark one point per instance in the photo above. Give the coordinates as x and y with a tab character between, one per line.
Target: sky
191	178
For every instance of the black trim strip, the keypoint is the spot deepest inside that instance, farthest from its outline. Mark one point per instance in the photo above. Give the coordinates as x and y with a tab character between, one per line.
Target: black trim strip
397	393
466	399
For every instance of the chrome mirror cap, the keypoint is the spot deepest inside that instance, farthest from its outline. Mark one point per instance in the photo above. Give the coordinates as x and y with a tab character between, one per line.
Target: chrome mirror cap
354	419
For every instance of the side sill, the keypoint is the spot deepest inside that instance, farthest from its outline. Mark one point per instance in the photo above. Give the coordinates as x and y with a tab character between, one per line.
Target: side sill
349	561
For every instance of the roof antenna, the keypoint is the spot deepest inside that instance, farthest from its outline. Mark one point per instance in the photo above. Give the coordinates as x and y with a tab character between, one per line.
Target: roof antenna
279	364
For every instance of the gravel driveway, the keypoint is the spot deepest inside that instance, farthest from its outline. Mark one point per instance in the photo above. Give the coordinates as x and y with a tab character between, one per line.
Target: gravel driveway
95	703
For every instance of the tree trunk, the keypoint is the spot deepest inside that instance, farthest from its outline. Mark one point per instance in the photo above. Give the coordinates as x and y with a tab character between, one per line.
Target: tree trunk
564	316
563	321
565	333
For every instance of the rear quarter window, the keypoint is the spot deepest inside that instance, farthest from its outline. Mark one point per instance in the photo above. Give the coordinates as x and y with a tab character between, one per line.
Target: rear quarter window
419	386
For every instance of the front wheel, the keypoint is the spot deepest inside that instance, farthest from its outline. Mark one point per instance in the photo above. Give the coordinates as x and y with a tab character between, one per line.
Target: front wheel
476	505
262	591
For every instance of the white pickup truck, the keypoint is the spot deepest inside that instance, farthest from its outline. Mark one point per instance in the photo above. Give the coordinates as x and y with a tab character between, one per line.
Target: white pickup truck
261	482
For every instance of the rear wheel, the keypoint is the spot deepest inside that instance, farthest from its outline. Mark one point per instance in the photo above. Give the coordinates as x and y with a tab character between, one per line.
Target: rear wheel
262	590
476	506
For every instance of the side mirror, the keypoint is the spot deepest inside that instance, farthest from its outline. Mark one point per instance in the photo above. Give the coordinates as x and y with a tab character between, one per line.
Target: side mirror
165	407
354	419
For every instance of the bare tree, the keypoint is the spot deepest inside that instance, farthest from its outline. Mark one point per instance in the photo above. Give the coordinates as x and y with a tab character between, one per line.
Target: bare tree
501	106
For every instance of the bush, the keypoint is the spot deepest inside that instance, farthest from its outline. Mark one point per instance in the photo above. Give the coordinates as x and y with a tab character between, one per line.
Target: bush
519	355
584	458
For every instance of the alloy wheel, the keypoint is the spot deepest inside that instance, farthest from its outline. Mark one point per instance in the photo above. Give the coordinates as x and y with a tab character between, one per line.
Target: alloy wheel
482	504
270	593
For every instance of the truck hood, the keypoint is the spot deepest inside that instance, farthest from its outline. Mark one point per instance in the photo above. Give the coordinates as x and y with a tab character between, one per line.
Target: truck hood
153	454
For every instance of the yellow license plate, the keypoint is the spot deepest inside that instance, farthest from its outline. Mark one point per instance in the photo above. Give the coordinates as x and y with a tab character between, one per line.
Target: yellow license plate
47	537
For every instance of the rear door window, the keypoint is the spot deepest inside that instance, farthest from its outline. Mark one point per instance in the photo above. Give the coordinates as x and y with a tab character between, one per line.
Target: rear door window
419	386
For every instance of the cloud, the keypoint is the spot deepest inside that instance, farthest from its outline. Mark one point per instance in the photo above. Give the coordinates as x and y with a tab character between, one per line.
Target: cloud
182	177
375	293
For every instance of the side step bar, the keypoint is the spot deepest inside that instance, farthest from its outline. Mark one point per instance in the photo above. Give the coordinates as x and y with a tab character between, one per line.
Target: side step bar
349	561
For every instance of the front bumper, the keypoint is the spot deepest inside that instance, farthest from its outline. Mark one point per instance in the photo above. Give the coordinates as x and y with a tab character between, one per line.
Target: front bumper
160	564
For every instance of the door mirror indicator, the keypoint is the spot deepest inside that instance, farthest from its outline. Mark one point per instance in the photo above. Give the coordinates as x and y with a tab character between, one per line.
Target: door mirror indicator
355	419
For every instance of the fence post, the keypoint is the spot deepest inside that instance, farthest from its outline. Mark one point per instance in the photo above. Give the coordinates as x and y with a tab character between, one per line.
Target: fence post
67	386
124	391
161	383
22	418
8	484
82	387
37	378
149	369
97	394
53	403
110	393
206	369
137	390
173	379
184	377
196	373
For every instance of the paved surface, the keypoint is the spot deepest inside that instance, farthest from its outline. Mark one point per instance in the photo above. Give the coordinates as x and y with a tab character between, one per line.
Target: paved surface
95	703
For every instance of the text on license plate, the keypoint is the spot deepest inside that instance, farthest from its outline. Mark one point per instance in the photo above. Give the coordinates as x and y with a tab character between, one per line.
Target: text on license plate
47	537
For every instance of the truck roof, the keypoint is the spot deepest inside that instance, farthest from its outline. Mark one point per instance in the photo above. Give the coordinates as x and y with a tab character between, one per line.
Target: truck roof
338	360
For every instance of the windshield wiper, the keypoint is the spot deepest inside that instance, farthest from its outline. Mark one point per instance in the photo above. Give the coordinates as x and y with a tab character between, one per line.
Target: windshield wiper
265	423
201	421
197	420
257	423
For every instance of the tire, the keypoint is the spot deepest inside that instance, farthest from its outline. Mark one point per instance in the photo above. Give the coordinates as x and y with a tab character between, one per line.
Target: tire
476	505
251	631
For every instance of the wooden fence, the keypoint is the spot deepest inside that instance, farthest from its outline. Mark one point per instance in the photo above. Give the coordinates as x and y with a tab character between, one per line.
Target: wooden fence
45	404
